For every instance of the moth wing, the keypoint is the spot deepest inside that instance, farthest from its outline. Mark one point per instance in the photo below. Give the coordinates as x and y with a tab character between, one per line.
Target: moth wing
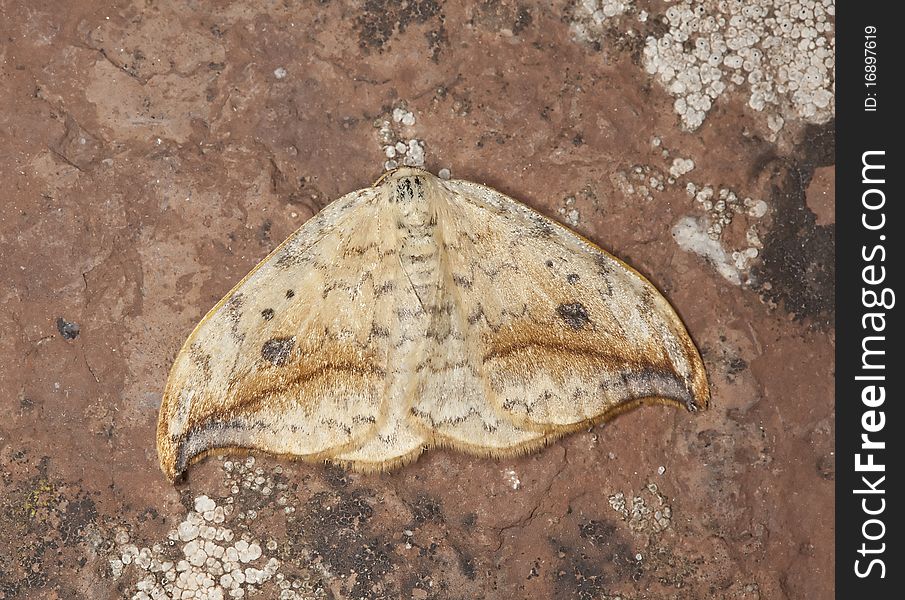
451	405
561	332
394	442
293	359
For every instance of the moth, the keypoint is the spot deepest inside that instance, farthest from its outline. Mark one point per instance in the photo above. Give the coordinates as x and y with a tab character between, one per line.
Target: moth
422	312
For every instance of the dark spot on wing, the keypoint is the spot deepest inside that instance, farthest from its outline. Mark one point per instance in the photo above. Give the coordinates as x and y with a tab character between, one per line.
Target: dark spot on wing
267	313
278	350
549	263
574	314
233	312
290	294
604	273
646	306
291	257
384	287
462	281
201	359
476	316
572	278
233	307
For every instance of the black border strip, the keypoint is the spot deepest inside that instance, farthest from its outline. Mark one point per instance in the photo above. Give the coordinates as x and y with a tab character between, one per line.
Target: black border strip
869	266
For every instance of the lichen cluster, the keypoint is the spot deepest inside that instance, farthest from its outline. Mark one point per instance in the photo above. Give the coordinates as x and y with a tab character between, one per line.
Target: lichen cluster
779	53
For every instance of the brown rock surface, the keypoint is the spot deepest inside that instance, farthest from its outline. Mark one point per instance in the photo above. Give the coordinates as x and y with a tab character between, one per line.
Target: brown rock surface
152	153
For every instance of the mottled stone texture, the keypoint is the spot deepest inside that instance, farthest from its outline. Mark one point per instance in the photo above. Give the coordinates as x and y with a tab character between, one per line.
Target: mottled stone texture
152	153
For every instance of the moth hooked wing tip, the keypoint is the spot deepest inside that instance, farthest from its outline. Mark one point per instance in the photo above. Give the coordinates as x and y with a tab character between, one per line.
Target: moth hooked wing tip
167	454
174	436
176	452
170	450
696	382
167	450
693	385
699	399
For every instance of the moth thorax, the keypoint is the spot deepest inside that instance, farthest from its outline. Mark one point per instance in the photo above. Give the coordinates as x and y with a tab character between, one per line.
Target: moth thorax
416	222
415	216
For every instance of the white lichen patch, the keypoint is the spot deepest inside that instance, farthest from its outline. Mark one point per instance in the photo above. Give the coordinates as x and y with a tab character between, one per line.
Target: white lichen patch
213	553
723	205
641	180
511	478
198	561
647	512
646	180
705	235
680	166
568	212
591	16
691	235
782	52
398	145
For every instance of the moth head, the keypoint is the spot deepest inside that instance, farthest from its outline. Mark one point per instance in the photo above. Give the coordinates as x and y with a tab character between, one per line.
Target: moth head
400	173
